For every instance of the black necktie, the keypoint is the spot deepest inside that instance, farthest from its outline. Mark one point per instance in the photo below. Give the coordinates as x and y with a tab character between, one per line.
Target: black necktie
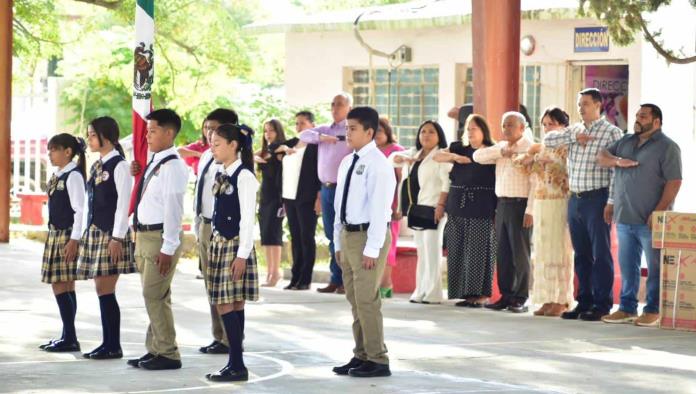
201	183
139	195
344	201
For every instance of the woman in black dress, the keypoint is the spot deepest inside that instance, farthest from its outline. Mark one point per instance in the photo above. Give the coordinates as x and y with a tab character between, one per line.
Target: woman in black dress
470	234
271	210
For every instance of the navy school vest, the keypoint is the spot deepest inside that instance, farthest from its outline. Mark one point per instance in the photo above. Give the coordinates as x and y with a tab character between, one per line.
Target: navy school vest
60	212
227	213
104	196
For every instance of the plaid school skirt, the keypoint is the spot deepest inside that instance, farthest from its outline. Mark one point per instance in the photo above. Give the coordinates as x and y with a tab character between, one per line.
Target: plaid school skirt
95	259
221	288
54	268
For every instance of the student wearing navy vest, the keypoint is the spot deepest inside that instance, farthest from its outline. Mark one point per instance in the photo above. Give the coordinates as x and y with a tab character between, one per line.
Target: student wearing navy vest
107	249
362	238
66	195
233	276
203	207
159	208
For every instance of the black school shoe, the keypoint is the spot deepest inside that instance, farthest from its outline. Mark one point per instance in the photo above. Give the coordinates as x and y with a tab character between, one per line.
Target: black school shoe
97	349
593	315
218	348
573	314
63	346
500	305
49	343
104	354
228	374
370	369
343	369
159	363
134	362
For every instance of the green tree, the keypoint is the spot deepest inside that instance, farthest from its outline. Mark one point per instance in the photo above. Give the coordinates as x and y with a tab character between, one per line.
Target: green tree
624	18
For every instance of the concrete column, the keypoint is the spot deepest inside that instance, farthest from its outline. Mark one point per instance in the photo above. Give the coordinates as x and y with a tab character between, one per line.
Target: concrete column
5	114
496	53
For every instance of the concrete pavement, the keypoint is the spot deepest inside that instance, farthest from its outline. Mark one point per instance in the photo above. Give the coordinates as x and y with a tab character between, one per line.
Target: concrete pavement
294	338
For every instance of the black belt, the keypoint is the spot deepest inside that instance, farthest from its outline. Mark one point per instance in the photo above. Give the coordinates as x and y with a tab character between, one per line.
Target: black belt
330	185
590	193
512	199
149	227
354	228
206	220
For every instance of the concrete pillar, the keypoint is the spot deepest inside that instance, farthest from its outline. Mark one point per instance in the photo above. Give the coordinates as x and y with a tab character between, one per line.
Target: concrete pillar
5	114
496	53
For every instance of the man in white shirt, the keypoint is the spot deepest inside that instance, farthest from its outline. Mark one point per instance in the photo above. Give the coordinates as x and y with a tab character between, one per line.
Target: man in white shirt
513	214
364	193
157	219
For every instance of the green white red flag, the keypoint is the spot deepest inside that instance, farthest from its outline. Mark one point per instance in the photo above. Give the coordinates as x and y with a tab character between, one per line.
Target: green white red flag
143	76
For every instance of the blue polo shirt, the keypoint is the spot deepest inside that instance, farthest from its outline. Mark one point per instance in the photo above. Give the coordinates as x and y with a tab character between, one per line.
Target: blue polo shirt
637	190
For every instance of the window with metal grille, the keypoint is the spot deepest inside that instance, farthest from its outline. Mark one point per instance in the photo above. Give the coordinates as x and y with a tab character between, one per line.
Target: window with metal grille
406	96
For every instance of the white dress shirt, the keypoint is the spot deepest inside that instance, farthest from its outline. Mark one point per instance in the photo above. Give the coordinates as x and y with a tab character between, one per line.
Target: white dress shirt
76	192
433	177
247	187
292	165
207	200
510	181
124	185
370	196
163	198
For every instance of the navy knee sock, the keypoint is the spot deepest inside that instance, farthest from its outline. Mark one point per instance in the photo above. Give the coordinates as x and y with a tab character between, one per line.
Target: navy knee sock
67	315
73	298
111	314
233	329
240	316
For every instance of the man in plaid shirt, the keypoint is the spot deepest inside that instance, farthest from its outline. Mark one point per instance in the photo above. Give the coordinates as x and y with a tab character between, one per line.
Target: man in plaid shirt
589	209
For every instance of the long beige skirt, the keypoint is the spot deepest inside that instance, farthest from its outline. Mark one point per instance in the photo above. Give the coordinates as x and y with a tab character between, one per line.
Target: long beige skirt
553	254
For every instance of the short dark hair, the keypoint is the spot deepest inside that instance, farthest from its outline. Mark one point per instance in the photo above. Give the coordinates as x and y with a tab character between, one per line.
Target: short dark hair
307	114
441	139
654	110
166	117
593	92
223	115
384	124
556	114
367	117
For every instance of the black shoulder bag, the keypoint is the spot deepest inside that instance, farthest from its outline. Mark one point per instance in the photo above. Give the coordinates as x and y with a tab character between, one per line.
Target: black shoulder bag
419	217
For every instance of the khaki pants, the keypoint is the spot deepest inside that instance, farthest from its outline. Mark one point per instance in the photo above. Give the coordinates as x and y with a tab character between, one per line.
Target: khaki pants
161	335
362	292
204	232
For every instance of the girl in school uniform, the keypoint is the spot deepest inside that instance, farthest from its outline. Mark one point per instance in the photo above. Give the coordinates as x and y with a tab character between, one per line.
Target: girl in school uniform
66	195
107	249
232	276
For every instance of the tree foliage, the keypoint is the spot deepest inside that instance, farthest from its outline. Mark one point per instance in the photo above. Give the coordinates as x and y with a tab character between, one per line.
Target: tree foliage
624	18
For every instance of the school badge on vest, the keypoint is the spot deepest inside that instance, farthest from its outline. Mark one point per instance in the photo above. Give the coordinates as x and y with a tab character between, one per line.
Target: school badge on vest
60	185
104	176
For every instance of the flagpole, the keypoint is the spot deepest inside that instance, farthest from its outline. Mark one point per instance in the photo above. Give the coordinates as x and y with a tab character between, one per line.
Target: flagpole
143	77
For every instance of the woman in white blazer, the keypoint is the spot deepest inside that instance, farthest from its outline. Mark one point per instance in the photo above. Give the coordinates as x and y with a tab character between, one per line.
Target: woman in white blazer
430	180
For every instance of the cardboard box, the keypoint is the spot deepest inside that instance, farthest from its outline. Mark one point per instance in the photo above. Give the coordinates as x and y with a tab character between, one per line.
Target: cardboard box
674	230
678	289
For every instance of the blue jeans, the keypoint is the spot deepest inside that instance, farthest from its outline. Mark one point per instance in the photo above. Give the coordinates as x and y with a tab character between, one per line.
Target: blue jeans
594	266
634	240
327	217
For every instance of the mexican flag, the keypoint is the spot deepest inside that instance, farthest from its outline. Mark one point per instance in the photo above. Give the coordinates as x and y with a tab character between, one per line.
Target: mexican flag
143	76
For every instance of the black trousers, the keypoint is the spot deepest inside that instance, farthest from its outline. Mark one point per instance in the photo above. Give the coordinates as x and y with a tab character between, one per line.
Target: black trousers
513	252
302	221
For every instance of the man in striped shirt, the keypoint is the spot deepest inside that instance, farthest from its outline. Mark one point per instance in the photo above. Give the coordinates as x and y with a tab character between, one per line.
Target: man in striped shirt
589	207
